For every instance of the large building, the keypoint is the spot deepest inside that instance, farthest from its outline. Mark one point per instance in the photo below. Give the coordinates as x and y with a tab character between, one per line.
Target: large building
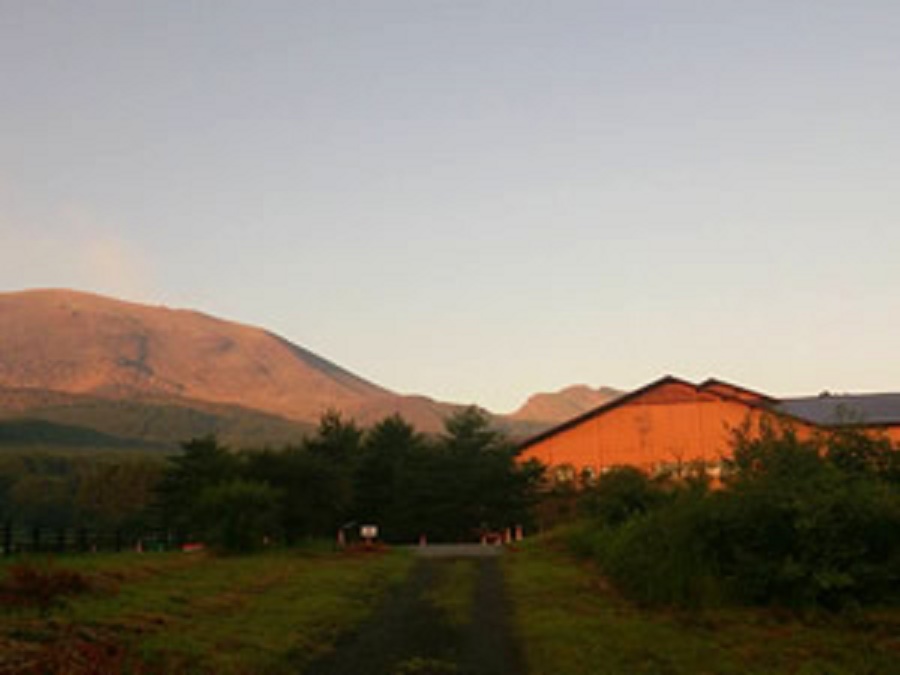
671	423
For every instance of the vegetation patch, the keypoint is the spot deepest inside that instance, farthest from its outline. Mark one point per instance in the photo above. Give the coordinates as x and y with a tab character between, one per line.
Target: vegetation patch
799	523
570	622
272	613
40	584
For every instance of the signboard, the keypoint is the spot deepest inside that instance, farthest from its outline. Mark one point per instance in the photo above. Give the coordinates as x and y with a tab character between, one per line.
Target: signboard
368	531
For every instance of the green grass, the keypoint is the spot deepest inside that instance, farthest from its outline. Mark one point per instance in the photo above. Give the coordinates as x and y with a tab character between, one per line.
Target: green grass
571	623
270	613
454	590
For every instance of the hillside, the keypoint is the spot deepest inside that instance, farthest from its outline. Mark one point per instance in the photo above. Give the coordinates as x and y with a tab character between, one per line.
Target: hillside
162	424
160	375
86	344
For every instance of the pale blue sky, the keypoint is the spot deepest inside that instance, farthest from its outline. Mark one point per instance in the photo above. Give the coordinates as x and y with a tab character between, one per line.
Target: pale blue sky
475	200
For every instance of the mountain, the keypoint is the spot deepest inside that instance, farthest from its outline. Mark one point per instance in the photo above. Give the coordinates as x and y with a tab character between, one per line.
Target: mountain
70	355
554	408
137	375
86	344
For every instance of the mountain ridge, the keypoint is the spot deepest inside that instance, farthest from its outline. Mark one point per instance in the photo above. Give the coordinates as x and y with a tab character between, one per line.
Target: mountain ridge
559	406
89	344
104	349
147	372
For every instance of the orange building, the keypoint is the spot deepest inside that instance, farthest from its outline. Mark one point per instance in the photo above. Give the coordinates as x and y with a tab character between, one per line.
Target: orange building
671	422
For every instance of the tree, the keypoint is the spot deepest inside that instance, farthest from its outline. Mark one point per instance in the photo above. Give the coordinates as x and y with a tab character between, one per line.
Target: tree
810	521
470	431
314	490
238	516
203	463
116	495
43	500
385	473
336	439
477	484
336	444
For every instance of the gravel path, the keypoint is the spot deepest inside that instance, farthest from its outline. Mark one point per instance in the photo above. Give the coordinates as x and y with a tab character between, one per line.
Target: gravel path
408	636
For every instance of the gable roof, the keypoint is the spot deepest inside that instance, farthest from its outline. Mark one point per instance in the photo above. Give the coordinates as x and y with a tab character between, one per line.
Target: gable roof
637	393
599	410
715	385
836	409
718	388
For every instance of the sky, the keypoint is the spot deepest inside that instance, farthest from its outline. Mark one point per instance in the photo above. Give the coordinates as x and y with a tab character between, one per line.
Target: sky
470	200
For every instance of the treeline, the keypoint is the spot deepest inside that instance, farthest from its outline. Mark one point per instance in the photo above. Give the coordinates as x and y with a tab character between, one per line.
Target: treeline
450	488
99	491
794	522
447	488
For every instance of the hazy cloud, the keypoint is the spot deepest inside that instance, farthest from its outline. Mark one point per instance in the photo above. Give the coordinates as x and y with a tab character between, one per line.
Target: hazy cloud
77	250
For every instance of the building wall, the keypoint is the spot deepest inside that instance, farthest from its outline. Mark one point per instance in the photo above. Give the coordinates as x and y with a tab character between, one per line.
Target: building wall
892	432
666	425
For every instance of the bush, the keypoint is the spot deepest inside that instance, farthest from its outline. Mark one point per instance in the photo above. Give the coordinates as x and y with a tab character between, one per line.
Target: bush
239	515
620	495
665	556
828	540
803	523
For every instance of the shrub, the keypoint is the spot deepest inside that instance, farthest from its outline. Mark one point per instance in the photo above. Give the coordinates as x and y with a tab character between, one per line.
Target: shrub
666	556
621	494
827	540
238	516
800	522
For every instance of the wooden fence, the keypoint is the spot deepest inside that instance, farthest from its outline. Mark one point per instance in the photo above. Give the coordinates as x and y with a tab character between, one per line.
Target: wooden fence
20	539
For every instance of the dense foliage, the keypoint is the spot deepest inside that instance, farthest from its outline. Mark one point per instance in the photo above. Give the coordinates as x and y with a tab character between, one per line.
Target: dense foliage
450	488
453	487
107	491
801	522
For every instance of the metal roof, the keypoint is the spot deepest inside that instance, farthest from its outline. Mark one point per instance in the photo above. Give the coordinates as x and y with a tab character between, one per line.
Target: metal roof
834	409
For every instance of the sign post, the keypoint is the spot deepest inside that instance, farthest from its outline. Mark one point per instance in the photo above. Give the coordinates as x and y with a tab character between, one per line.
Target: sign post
369	533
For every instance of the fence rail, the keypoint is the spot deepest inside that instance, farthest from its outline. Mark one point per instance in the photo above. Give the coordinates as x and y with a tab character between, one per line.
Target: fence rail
21	539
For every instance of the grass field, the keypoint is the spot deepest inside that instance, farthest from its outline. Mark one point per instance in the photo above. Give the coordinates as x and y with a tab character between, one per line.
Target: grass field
454	590
570	623
279	612
194	613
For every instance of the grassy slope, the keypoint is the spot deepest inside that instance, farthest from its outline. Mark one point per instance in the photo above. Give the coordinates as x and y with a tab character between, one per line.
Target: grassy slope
571	624
69	420
270	613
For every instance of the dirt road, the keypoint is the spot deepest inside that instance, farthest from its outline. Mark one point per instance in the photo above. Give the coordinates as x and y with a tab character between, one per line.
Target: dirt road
414	634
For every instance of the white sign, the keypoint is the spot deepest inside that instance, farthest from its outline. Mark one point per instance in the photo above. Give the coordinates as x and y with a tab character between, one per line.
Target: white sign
368	531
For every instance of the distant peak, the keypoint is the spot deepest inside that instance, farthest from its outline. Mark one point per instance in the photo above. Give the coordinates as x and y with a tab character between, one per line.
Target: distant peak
564	404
